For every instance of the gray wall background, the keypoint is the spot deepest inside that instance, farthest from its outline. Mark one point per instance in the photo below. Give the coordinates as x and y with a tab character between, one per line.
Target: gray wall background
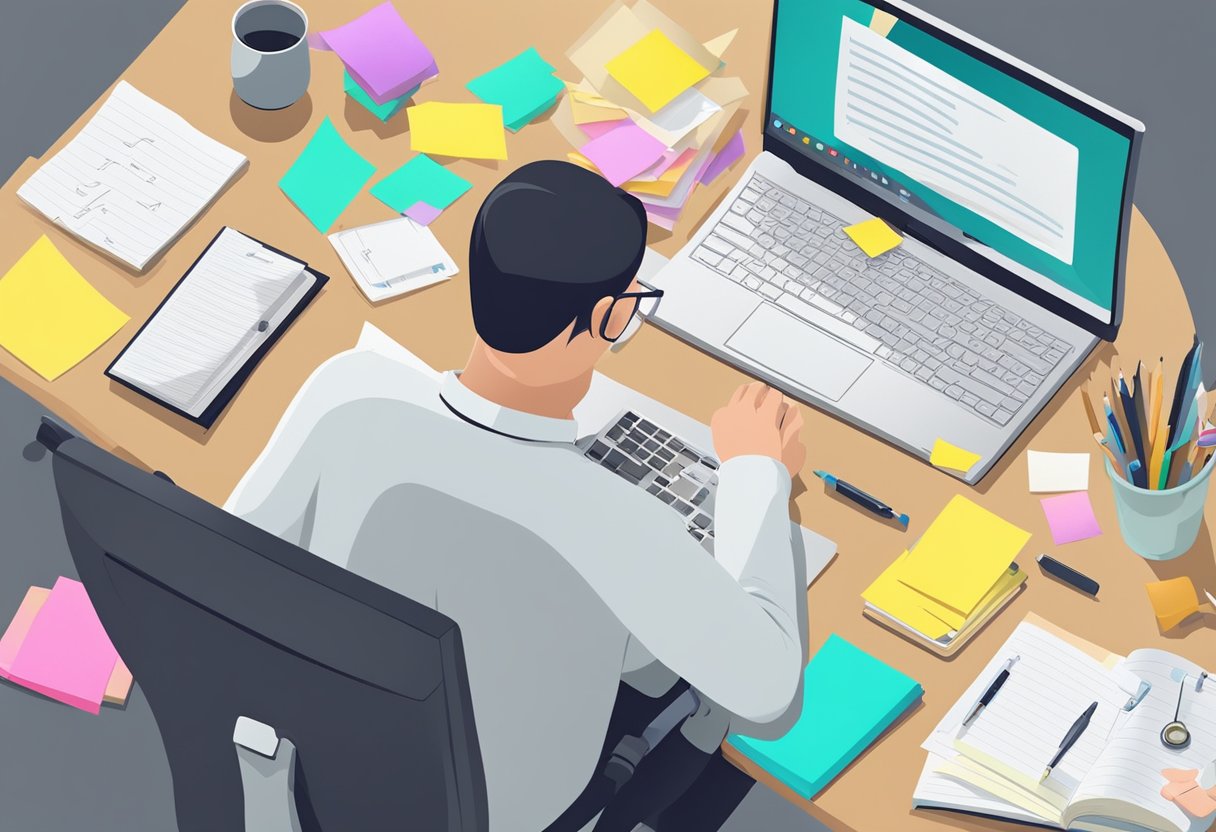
1150	58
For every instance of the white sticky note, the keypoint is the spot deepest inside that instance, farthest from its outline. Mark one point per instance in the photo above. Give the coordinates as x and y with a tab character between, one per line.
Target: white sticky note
1057	472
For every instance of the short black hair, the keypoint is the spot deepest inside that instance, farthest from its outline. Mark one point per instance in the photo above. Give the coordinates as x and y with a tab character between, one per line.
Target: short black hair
549	241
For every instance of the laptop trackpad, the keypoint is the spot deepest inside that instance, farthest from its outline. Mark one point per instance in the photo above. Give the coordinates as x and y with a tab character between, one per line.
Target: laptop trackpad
798	351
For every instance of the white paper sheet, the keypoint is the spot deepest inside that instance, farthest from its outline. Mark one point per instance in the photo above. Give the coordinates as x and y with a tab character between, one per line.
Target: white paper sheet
1057	472
132	179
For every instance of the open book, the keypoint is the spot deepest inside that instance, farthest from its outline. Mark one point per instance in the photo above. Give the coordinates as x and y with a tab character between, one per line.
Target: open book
1112	778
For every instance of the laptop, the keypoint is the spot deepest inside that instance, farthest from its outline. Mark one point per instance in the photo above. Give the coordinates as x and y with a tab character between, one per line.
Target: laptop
1012	193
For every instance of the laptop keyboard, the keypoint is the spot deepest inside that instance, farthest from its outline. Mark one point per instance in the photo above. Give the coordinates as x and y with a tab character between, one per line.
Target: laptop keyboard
669	468
916	319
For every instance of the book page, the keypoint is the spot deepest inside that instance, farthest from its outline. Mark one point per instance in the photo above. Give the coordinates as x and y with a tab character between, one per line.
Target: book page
1048	688
210	325
1129	772
132	179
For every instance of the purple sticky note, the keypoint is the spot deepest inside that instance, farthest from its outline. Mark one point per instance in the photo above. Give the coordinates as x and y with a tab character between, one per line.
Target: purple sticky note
623	152
381	53
726	157
1071	517
595	129
423	213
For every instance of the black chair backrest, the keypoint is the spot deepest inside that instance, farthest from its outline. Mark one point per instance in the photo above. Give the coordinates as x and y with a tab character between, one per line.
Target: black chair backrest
218	619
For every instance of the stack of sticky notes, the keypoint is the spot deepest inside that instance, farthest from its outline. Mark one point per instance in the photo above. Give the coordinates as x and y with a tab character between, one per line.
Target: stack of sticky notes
652	114
954	579
385	61
56	646
51	318
849	698
524	87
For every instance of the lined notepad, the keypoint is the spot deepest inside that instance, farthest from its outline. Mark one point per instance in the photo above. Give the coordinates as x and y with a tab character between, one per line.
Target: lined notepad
234	298
132	179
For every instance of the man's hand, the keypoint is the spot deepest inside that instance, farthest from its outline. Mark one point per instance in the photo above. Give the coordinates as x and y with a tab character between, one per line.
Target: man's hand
759	420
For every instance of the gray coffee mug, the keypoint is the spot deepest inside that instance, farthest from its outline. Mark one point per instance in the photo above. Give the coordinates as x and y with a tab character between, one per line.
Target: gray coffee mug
270	68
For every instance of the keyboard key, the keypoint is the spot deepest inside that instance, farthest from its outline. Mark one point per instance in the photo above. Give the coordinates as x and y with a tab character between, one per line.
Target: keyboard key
683	508
647	427
740	224
616	432
702	521
650	445
667	497
709	258
662	435
628	446
653	489
633	469
597	451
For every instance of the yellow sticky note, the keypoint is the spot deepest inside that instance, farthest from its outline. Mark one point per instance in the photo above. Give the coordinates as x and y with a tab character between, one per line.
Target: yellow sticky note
950	456
588	108
897	599
1173	601
655	70
873	236
50	317
962	555
470	131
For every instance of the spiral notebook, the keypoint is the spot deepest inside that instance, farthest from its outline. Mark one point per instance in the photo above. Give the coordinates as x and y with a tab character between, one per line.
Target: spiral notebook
198	348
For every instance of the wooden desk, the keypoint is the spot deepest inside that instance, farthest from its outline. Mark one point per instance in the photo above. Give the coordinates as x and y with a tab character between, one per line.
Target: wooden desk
186	68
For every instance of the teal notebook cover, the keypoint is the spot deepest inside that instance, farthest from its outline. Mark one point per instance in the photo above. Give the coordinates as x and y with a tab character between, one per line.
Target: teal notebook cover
849	698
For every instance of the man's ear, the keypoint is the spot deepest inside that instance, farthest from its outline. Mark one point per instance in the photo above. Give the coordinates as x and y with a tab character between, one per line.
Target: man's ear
598	313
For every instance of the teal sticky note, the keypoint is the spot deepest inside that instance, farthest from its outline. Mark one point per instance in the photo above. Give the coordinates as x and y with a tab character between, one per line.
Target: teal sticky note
421	179
849	698
383	111
326	177
524	86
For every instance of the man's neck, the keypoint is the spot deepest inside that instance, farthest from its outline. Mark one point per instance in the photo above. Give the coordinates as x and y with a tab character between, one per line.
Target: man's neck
491	377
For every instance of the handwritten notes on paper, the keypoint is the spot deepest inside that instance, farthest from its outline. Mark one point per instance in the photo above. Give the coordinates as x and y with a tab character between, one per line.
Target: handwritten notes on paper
50	317
132	179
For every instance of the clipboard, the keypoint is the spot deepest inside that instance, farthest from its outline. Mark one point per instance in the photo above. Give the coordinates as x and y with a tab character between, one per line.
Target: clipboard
224	397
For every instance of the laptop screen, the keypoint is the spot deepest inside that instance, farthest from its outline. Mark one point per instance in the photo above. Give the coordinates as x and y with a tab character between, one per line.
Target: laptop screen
1031	183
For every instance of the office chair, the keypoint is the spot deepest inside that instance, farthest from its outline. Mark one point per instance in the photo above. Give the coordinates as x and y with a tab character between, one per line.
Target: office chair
291	694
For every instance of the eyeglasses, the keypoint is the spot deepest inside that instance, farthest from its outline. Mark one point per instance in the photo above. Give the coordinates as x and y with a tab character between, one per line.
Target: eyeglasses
612	329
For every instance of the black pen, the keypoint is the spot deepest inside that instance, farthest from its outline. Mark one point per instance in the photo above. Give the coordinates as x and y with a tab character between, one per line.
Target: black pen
1070	739
983	701
866	501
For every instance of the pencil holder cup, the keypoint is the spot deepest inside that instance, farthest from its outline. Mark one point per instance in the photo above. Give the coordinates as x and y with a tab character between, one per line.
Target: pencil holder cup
1160	525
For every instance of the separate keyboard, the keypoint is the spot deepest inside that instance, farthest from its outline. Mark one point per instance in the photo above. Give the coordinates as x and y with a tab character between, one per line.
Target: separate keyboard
914	318
669	468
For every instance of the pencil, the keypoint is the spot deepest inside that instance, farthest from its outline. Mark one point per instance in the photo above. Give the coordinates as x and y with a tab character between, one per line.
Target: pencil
1090	413
1114	460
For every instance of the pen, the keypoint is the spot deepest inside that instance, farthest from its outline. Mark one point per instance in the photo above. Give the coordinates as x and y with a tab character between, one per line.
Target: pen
866	501
1067	574
983	701
1070	739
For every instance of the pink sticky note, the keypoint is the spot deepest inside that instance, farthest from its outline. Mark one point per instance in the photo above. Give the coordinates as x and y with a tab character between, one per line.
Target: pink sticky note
19	627
382	53
423	213
1071	517
623	152
726	157
595	129
66	654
